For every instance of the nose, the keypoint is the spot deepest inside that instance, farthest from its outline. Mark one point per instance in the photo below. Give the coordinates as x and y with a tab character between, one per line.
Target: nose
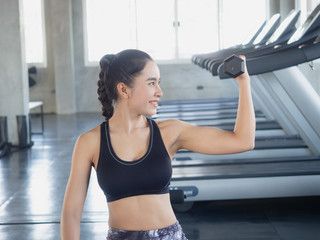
159	92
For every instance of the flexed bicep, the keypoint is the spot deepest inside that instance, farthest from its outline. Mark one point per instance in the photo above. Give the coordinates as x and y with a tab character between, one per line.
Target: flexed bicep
209	140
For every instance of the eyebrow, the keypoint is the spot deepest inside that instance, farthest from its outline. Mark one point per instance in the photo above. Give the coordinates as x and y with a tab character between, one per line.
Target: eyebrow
152	79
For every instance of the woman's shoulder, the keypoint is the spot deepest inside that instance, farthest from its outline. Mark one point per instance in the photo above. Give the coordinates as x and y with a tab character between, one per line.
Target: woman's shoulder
167	123
171	130
88	144
172	127
171	124
94	132
90	137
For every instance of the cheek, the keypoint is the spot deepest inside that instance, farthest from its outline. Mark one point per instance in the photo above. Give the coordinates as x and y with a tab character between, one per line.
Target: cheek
143	93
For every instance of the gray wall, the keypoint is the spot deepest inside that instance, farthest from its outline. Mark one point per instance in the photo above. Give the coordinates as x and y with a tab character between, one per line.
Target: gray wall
14	94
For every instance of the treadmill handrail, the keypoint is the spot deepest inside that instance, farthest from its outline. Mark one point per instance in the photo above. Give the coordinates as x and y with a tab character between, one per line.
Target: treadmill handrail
252	37
307	26
271	24
286	26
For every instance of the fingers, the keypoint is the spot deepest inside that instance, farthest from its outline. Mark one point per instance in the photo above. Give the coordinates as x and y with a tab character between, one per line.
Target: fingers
245	75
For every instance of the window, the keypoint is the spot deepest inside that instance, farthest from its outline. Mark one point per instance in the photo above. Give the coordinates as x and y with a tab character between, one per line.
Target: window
32	12
198	29
238	19
168	29
155	30
110	27
312	4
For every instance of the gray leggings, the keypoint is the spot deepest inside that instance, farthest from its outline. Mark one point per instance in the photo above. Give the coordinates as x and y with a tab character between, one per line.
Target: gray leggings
173	232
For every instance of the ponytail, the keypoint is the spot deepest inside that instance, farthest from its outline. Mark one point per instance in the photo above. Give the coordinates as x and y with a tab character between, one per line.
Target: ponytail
103	96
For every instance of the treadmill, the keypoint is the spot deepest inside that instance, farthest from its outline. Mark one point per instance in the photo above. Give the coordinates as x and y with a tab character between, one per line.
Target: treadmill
266	176
304	35
262	36
198	59
282	34
267	31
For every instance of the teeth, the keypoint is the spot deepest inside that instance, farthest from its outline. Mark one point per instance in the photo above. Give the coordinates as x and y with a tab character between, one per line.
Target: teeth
154	103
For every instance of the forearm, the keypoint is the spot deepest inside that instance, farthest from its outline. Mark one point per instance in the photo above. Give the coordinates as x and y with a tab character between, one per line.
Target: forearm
245	123
69	228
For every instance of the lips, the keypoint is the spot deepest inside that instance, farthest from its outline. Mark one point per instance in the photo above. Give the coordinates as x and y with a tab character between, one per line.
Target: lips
154	103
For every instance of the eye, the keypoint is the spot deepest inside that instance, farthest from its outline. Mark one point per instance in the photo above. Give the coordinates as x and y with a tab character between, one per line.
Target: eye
151	83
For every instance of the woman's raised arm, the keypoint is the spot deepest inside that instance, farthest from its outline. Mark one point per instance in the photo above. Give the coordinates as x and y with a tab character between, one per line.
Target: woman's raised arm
210	140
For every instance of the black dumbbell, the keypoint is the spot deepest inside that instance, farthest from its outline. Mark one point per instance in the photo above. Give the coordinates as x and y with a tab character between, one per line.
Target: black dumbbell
233	66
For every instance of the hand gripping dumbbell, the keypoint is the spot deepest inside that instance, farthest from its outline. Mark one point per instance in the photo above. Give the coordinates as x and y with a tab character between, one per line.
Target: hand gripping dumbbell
233	66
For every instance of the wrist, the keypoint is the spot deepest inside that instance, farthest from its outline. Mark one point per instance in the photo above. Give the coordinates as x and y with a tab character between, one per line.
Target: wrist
243	80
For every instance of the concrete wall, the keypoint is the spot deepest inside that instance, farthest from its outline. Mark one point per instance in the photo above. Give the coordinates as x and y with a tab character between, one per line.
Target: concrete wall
44	90
14	94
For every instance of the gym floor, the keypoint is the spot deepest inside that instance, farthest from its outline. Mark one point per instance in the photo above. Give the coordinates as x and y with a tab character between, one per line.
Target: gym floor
33	181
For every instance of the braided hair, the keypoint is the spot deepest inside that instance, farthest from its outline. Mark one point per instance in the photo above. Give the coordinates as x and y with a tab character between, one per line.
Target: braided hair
115	68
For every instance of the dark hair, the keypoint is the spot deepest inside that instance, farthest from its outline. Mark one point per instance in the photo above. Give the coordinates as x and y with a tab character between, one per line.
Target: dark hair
121	67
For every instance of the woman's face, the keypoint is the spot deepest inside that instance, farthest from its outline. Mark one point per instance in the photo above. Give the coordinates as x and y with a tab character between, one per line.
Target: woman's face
146	91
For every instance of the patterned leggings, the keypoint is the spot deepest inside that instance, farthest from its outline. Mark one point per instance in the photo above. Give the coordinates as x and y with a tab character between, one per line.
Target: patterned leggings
173	232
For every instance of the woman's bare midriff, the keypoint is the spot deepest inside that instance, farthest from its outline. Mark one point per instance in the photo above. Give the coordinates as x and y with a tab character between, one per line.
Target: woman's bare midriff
144	212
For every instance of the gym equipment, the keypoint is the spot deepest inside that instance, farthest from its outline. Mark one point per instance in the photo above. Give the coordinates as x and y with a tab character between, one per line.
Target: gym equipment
24	132
4	144
199	59
261	39
233	66
4	149
297	112
177	196
280	36
32	71
306	34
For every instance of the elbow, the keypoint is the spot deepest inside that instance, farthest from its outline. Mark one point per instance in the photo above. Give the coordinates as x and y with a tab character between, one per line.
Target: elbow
250	143
246	143
248	146
251	146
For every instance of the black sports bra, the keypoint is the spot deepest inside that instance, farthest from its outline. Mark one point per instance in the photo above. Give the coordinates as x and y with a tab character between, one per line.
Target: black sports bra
150	174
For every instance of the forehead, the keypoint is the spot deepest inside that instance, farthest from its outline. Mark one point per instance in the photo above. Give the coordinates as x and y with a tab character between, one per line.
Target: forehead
151	70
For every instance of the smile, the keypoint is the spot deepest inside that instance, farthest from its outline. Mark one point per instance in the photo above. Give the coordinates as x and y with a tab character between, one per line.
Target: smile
154	103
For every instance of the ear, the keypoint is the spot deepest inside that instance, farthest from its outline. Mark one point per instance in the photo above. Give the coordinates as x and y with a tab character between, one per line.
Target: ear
123	90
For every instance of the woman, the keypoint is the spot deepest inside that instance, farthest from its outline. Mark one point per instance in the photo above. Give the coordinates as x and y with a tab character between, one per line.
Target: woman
132	154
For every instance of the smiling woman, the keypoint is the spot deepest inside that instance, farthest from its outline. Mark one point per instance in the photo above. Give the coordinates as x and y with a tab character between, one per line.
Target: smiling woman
128	71
132	154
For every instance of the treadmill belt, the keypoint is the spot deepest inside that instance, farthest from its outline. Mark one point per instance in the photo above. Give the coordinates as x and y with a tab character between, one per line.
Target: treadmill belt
247	170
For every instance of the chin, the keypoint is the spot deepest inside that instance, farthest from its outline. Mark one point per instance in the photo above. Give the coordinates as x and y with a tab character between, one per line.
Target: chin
150	113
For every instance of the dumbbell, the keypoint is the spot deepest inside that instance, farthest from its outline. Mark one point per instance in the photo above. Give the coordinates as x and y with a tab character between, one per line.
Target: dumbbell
232	66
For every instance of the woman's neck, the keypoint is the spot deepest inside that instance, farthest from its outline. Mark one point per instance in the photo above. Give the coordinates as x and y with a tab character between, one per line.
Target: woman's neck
123	121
